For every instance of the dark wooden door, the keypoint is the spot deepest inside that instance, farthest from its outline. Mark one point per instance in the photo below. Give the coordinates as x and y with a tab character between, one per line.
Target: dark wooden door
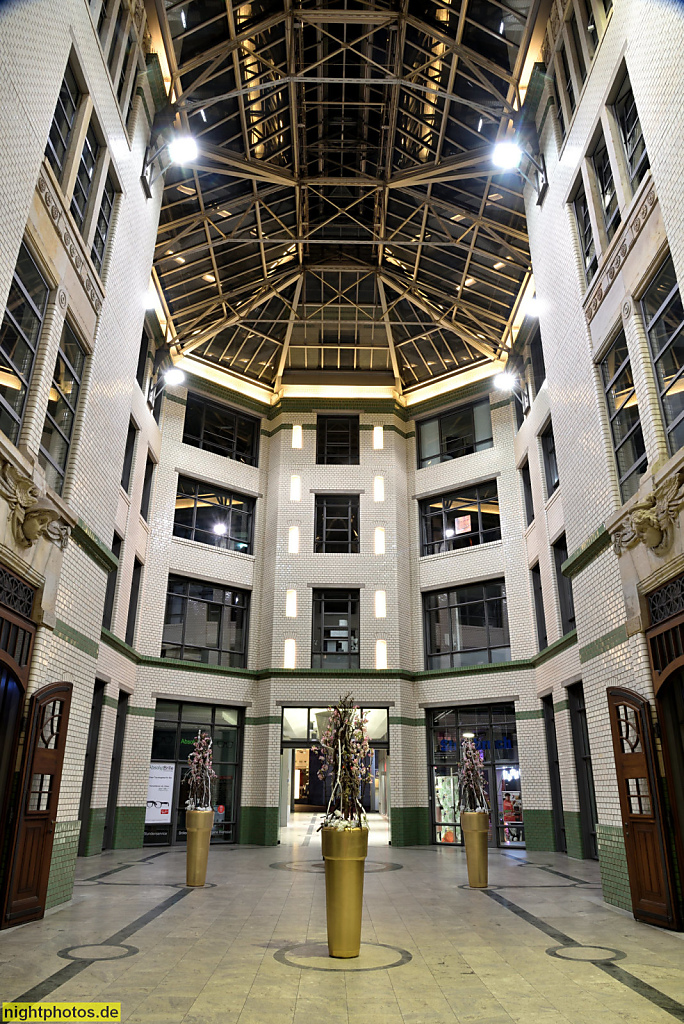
39	796
650	877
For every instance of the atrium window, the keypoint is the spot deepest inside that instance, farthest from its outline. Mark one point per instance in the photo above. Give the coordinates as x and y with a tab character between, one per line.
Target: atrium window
337	440
335	639
623	412
103	224
664	316
466	625
606	187
129	451
527	492
565	599
553	85
110	591
577	46
337	524
205	623
218	429
19	336
537	360
133	602
63	121
61	411
567	80
461	519
539	607
147	488
211	515
84	177
550	463
632	135
459	432
586	234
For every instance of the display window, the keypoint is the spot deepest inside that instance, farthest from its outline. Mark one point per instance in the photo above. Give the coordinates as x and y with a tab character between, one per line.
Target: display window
175	727
493	731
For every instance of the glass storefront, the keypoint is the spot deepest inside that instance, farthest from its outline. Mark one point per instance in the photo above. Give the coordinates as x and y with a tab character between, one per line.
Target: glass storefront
493	730
175	726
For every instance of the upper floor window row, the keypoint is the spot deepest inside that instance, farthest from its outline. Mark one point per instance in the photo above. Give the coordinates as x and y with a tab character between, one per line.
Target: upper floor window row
459	432
575	45
466	625
461	519
664	317
623	413
218	429
205	623
121	41
211	515
337	440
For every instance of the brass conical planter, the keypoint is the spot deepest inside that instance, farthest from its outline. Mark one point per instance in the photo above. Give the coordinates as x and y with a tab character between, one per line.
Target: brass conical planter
198	824
344	853
475	825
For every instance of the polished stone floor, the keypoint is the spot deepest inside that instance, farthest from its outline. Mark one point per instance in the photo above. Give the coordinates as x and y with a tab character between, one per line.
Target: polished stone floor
538	947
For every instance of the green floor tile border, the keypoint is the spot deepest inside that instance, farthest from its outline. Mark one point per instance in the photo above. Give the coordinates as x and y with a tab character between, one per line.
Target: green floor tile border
410	826
94	831
63	863
613	865
539	834
574	844
129	826
259	826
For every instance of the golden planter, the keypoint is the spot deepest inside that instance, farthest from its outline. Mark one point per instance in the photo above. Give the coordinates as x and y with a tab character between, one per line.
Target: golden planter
344	852
199	825
475	825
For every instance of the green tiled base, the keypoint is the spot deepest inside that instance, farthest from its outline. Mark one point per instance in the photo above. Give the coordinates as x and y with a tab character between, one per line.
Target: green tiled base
95	831
539	830
411	826
613	864
259	826
129	825
573	835
63	863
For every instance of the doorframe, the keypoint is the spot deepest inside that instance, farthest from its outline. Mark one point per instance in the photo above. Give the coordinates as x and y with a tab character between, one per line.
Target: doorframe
115	770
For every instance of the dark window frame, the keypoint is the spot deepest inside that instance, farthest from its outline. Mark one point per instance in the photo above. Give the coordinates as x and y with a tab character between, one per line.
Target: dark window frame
340	660
457	541
146	496
70	404
324	543
627	480
551	475
103	223
110	589
448	446
133	601
537	359
539	613
631	134
201	404
652	322
455	654
527	491
87	169
337	440
564	586
68	101
225	541
225	655
129	455
585	231
606	187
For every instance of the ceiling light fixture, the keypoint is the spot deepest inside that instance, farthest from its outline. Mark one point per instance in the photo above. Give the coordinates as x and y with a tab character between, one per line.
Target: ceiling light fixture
209	277
507	156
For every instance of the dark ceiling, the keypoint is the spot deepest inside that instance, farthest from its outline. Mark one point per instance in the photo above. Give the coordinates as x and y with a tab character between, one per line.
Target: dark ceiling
342	222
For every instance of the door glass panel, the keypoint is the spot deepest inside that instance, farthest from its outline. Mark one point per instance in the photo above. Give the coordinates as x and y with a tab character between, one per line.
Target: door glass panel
318	721
509	799
377	725
295	723
49	729
630	740
639	796
39	797
447	814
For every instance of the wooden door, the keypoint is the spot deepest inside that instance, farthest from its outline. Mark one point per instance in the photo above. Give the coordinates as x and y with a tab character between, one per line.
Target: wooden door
648	864
39	796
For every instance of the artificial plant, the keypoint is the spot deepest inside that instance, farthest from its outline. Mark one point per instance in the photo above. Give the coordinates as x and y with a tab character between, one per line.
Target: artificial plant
471	779
200	774
344	752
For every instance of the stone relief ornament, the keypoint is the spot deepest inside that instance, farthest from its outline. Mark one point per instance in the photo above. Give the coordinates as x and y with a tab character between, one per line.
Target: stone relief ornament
31	515
651	521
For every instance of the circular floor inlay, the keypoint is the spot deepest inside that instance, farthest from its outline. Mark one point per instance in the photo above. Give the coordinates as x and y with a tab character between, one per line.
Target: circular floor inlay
182	885
313	956
587	954
98	951
317	867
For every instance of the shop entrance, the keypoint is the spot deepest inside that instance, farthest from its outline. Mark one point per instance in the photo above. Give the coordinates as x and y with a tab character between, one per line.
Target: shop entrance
670	700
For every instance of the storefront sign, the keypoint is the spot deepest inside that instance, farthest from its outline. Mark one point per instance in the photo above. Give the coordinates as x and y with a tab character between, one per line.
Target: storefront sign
160	794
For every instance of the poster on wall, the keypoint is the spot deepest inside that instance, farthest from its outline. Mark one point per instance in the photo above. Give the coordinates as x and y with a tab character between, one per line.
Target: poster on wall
160	794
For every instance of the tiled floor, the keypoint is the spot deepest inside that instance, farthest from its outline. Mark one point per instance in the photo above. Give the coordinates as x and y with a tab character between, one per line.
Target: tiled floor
250	949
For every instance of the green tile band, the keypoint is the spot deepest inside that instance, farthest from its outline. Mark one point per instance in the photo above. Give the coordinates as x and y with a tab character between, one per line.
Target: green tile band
603	644
78	640
584	555
259	826
88	541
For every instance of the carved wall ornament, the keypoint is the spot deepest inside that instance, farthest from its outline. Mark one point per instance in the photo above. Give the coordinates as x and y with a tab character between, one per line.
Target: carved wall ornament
54	209
651	521
62	298
610	270
626	309
31	515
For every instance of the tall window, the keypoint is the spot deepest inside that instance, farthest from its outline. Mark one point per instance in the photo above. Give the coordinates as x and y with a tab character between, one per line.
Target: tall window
84	177
564	584
335	640
110	591
103	224
550	464
61	411
218	429
337	524
537	359
567	80
625	424
539	606
557	104
213	516
632	135
466	625
459	432
205	623
19	335
586	235
664	316
527	492
63	121
133	602
606	185
117	36
461	519
143	360
129	451
577	46
337	440
147	488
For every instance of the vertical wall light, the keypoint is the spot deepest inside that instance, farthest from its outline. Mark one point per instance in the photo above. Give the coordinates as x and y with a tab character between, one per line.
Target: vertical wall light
380	653
291	604
380	604
290	654
295	488
296	436
379	540
378	437
293	540
378	488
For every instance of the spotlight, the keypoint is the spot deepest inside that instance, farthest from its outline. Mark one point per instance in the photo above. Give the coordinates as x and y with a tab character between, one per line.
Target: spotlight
504	381
183	149
506	155
174	376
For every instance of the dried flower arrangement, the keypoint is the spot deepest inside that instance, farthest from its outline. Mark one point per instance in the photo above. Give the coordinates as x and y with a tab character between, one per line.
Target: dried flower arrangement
200	774
344	752
471	779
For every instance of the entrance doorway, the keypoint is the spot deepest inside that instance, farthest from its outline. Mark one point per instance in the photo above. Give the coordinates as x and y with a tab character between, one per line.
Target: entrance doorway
671	717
